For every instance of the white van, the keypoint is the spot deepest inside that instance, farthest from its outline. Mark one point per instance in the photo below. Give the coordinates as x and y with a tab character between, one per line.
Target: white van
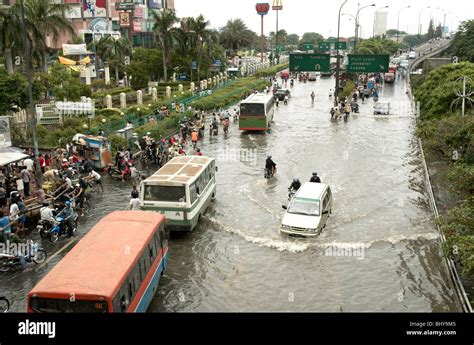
308	211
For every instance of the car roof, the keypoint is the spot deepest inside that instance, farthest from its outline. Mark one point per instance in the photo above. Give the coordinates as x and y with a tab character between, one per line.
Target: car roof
311	190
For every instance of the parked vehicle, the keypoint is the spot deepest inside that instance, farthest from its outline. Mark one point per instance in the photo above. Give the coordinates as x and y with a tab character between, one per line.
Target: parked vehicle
308	211
312	76
382	108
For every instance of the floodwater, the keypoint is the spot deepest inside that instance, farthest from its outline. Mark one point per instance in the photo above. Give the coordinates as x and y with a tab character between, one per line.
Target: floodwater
379	252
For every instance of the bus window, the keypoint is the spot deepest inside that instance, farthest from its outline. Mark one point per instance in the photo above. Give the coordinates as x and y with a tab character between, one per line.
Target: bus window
165	193
193	192
53	305
252	109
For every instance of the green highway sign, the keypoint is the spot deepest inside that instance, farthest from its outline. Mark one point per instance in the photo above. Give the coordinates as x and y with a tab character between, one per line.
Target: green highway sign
331	40
342	45
307	46
124	6
324	45
368	63
309	63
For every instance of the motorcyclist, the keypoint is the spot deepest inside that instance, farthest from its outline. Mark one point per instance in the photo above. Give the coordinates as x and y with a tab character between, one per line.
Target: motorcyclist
47	215
214	125
68	214
293	188
315	178
270	165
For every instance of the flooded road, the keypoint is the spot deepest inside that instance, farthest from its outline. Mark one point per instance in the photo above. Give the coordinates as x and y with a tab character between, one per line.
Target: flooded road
379	251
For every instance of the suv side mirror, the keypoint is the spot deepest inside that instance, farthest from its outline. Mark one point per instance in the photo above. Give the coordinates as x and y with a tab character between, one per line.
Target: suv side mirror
325	212
284	207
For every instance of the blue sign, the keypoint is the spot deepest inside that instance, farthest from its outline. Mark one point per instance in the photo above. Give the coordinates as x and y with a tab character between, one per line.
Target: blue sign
194	65
156	4
217	62
182	77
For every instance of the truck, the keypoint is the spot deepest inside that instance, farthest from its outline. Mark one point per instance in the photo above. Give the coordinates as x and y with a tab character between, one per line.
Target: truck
389	77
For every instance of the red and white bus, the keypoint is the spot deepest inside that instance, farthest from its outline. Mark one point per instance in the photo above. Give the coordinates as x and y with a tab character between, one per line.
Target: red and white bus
116	267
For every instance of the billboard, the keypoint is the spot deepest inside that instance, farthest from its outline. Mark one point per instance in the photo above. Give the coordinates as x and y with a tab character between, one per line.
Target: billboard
156	4
73	12
137	24
94	8
74	49
124	19
5	136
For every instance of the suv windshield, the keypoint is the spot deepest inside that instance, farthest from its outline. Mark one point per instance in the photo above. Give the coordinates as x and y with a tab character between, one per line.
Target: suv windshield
305	207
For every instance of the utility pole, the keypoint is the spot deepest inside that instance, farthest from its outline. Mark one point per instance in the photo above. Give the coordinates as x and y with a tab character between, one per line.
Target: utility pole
338	60
39	179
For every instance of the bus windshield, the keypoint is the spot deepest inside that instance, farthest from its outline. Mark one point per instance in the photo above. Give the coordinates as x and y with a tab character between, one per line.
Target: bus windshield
252	109
304	207
165	193
50	305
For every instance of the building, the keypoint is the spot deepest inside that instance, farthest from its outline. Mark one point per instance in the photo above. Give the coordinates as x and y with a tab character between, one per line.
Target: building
380	25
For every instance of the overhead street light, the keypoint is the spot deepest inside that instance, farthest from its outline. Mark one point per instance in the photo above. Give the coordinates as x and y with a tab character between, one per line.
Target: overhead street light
419	20
375	14
398	22
338	59
357	23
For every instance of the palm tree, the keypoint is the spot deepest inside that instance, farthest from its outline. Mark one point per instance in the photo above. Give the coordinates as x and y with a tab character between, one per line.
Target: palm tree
50	20
199	35
110	47
165	20
10	27
236	35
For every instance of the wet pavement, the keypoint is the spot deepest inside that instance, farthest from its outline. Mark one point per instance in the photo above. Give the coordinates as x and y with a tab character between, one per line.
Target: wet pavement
379	252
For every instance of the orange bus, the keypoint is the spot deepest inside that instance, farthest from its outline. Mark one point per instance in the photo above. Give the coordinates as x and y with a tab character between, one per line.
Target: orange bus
116	267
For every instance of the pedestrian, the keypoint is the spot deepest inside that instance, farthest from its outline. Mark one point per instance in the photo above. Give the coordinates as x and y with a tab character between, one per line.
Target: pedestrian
41	162
25	176
134	201
5	228
29	163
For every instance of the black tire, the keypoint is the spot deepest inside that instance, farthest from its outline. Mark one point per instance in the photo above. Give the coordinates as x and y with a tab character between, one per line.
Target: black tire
4	305
5	267
43	233
86	206
53	237
40	256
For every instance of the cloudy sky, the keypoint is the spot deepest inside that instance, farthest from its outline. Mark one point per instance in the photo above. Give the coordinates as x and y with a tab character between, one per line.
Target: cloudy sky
300	16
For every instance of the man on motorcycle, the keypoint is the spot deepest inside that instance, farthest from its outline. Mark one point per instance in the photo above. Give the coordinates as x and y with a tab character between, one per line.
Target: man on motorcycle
315	178
293	188
270	165
47	215
214	126
68	214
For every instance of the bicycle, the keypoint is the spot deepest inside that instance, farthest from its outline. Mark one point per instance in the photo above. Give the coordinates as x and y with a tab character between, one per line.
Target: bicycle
4	304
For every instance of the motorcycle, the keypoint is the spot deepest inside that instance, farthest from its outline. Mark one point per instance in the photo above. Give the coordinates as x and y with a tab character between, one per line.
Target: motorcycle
291	193
268	173
54	231
35	254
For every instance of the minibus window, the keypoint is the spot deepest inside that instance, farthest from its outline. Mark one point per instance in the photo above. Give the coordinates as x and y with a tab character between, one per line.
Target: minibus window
52	305
165	193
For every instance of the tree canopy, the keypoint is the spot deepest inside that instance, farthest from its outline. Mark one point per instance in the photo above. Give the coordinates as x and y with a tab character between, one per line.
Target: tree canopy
462	44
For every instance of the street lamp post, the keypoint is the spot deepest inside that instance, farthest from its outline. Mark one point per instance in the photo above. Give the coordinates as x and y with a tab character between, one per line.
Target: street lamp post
338	60
357	23
375	14
27	58
419	20
398	21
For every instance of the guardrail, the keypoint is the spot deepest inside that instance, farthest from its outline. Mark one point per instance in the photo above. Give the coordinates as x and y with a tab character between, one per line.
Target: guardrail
449	263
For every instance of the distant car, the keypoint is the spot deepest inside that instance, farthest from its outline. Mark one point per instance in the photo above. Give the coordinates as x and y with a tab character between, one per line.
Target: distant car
404	63
382	108
312	76
412	55
281	93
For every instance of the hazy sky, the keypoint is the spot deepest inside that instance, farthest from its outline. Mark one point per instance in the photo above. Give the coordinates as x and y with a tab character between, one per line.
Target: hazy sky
300	16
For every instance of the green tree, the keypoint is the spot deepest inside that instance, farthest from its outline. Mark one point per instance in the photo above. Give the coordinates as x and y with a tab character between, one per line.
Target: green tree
168	35
109	48
292	39
462	44
236	35
439	31
151	60
200	34
50	21
10	34
394	32
66	83
312	37
431	30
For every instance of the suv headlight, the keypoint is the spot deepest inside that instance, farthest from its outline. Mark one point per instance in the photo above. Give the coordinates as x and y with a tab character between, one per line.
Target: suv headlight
311	230
285	227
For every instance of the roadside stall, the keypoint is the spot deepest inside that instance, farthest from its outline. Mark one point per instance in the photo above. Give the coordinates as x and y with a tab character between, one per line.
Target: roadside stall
97	149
